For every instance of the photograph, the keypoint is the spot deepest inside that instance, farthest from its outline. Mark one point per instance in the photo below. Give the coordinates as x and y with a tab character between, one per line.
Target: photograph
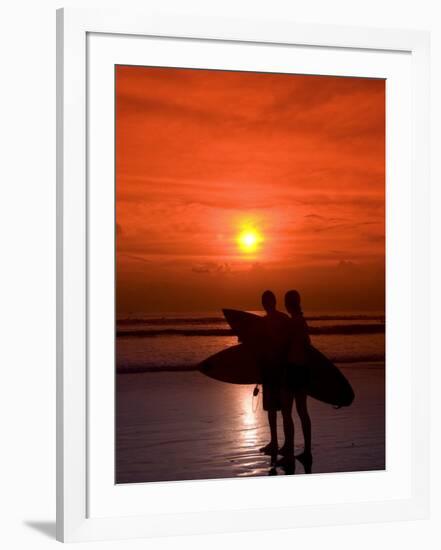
250	274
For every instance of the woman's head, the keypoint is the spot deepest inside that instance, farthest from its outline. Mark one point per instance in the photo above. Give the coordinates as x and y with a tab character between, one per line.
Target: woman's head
292	302
269	300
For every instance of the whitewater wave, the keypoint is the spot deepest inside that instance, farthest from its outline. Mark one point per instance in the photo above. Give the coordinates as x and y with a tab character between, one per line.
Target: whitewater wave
160	321
375	360
376	328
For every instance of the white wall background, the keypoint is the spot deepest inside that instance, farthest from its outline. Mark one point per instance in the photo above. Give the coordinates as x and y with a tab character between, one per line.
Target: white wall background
27	273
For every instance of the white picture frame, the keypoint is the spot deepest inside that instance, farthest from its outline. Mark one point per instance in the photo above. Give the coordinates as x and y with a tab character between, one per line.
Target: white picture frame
83	412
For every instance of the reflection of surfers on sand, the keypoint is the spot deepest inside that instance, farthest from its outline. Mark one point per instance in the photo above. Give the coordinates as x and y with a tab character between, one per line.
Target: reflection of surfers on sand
181	425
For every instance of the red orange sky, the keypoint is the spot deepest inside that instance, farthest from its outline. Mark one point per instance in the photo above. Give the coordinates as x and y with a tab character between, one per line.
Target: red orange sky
202	154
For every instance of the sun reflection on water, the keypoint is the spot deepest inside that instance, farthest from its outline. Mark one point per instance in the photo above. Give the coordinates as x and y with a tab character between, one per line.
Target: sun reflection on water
249	420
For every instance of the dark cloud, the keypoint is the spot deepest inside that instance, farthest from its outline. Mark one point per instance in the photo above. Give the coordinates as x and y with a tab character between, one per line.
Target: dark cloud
211	268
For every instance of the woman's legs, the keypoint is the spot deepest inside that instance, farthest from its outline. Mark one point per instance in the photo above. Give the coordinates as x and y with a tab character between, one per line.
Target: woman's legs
288	424
302	410
272	420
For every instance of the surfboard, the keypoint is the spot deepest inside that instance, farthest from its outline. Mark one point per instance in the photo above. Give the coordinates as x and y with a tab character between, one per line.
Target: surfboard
248	327
235	365
240	364
326	382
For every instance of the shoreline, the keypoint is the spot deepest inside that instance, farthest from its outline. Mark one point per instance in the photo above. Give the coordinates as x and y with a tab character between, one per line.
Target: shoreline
186	426
349	364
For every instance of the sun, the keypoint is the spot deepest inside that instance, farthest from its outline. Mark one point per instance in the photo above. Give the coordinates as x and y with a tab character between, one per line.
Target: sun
249	240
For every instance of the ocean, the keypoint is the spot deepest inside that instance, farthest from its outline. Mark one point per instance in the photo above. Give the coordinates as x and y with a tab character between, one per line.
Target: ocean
178	342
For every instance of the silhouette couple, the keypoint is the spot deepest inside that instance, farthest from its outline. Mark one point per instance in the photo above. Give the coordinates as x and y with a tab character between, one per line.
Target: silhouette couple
284	376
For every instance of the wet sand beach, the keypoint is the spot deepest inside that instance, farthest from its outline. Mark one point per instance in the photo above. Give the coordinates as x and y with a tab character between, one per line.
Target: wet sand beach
185	426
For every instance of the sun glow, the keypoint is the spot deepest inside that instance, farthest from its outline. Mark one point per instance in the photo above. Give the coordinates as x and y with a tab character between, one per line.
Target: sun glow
249	240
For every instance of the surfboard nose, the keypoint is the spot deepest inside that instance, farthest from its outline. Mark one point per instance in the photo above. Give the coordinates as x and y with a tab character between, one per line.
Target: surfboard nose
204	367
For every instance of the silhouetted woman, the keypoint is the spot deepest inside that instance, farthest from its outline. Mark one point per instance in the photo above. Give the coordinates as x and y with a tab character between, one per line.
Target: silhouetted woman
295	380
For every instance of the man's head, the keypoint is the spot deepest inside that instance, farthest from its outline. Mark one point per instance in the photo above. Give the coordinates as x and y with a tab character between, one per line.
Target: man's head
268	301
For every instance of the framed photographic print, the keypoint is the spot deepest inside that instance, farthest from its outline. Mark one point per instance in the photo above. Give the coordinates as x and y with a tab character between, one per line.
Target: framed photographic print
242	275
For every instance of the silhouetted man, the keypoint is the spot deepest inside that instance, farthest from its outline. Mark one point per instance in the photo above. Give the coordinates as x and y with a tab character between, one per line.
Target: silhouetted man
274	350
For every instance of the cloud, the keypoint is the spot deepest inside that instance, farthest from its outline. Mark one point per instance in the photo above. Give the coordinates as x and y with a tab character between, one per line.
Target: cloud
211	268
257	267
347	265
